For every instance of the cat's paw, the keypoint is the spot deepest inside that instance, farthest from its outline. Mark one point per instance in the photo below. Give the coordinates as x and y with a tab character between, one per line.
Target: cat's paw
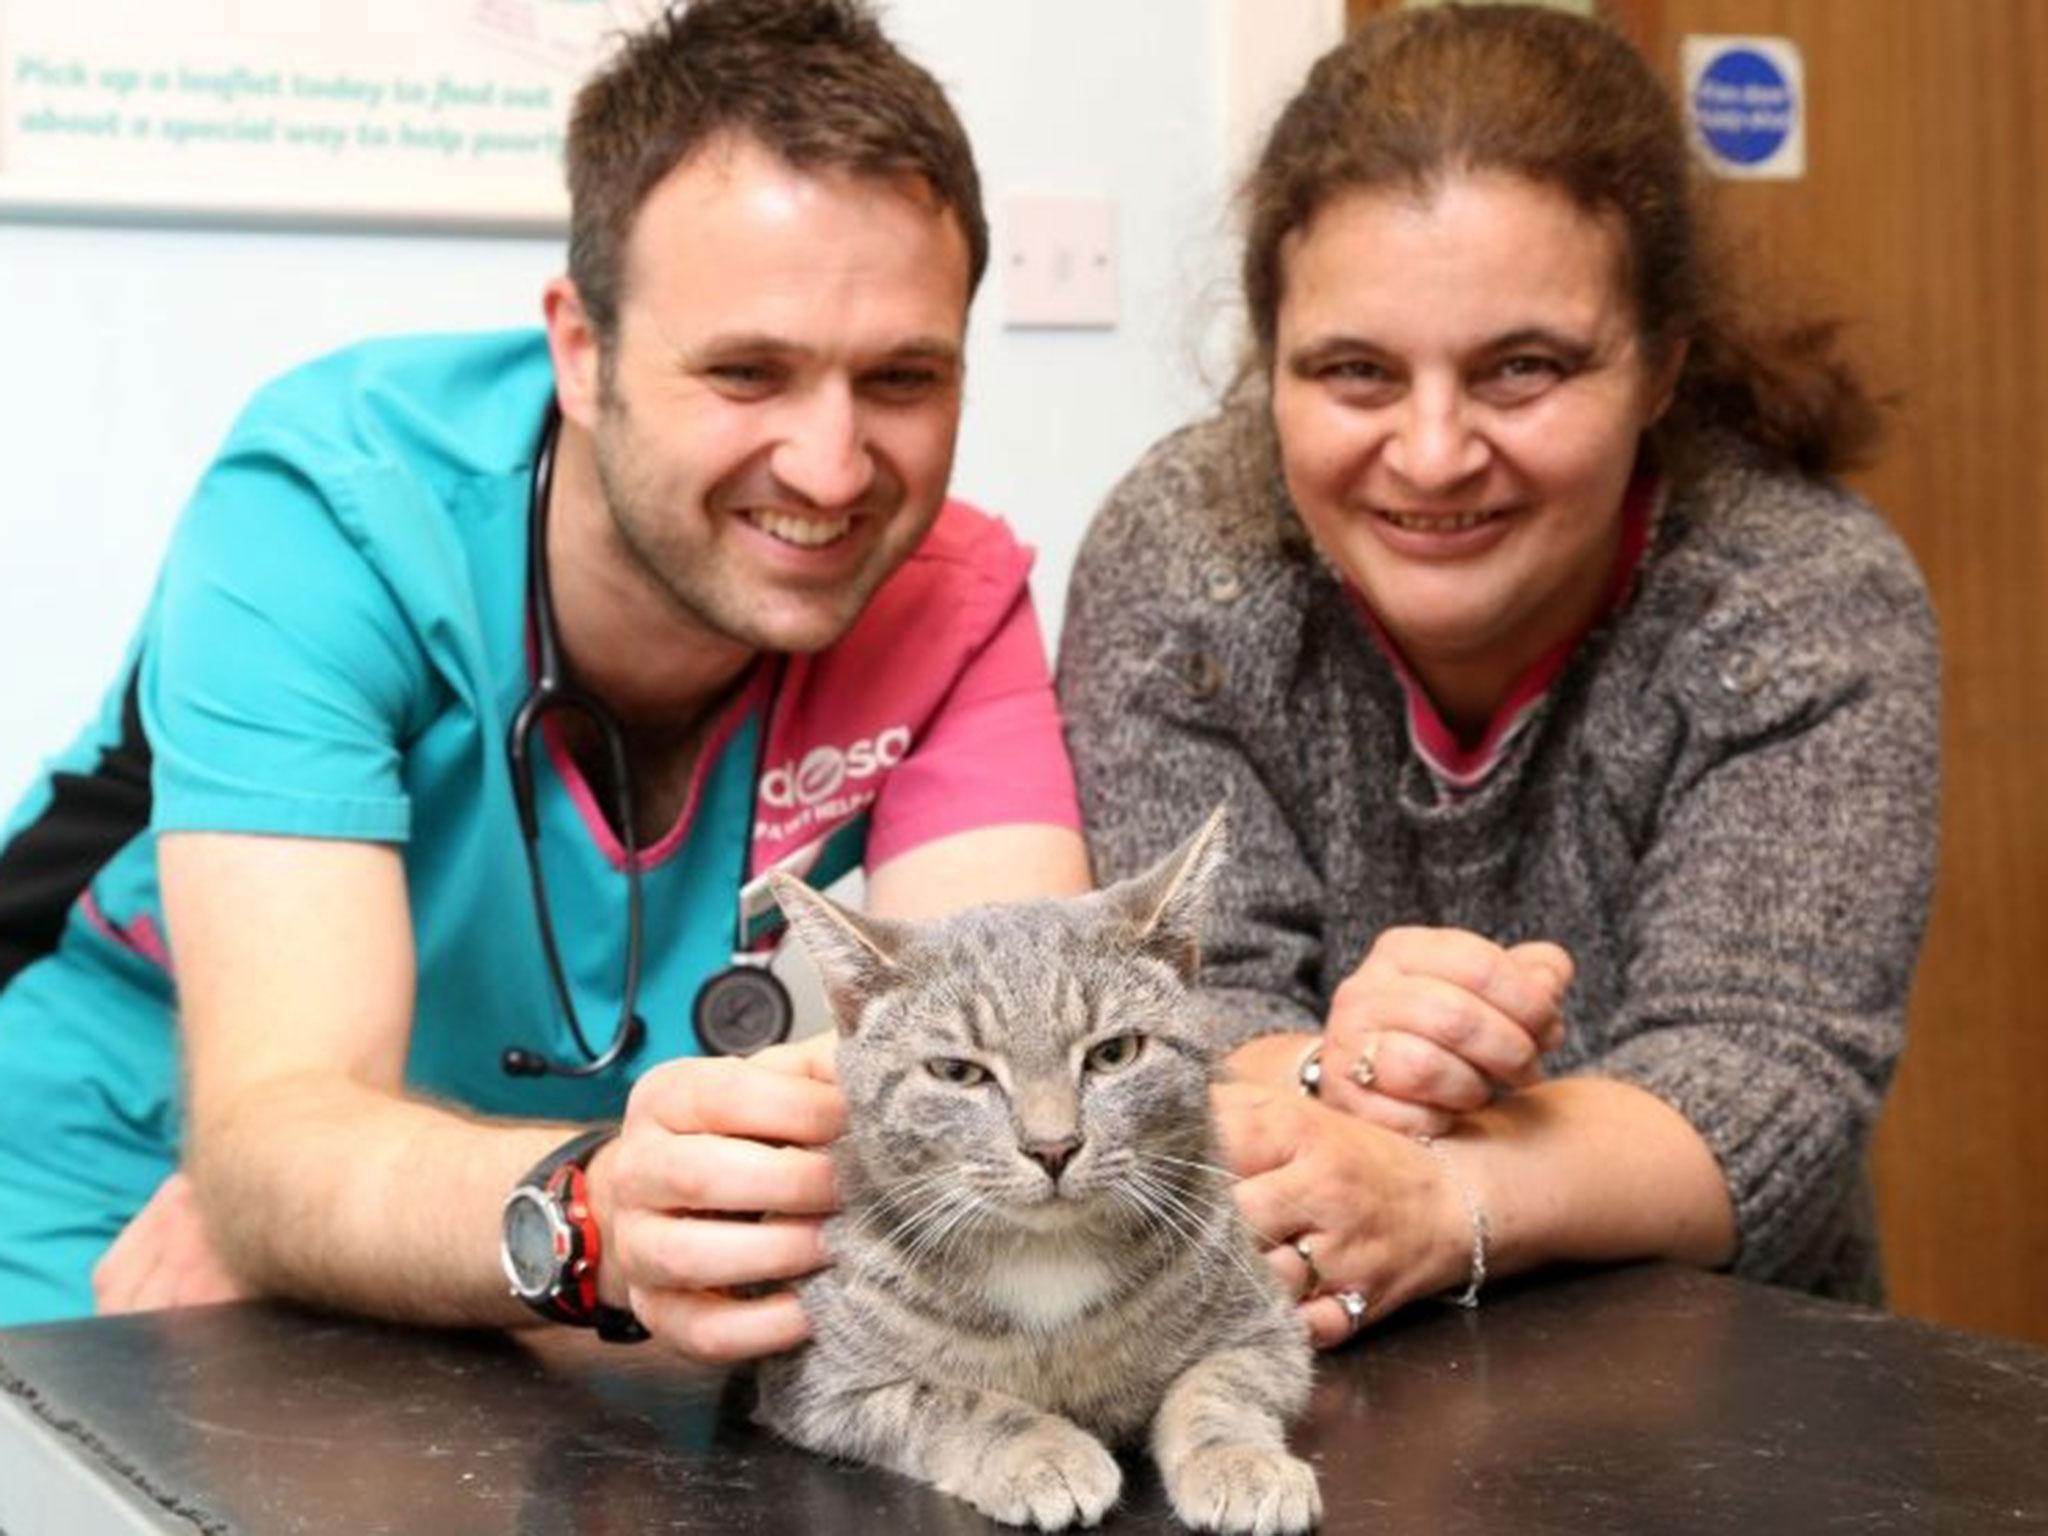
1051	1475
1245	1488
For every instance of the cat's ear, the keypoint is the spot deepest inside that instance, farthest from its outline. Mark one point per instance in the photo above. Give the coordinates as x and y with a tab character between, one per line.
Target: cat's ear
855	955
1163	908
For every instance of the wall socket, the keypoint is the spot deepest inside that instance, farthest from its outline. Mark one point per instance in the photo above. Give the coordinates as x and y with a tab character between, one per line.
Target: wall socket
1059	262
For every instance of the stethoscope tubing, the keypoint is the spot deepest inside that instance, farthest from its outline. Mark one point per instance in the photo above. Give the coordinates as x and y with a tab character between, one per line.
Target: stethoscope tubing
552	691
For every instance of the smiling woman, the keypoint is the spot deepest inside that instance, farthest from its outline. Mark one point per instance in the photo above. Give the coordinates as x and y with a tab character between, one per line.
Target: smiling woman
1461	391
1580	733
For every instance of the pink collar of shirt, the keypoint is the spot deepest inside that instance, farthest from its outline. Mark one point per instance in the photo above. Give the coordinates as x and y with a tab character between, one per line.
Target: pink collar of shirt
1460	768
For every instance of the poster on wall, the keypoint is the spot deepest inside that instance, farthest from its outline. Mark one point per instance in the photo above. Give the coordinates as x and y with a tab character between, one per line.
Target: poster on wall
366	113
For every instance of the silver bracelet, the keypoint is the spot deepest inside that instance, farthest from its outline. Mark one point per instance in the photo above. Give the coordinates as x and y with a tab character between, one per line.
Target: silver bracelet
1482	1229
1309	1075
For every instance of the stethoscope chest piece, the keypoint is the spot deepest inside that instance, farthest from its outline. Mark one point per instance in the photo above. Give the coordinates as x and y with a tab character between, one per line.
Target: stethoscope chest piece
742	1009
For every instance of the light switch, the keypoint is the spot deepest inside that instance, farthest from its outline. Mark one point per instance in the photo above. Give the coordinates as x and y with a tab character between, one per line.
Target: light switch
1059	262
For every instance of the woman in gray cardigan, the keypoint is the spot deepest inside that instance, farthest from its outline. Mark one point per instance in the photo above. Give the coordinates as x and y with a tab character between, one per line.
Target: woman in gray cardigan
1579	733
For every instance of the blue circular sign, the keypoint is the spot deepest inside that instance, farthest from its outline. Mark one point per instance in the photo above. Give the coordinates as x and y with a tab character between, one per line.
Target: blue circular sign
1744	107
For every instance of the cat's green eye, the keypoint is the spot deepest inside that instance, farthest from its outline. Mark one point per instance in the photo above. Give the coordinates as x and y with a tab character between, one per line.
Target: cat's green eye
957	1071
1113	1054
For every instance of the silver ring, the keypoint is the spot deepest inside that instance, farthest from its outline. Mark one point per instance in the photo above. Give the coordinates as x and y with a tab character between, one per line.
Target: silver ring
1308	1259
1355	1307
1308	1077
1365	1069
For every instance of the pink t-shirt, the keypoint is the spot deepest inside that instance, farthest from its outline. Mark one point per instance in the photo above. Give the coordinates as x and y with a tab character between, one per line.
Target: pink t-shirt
933	715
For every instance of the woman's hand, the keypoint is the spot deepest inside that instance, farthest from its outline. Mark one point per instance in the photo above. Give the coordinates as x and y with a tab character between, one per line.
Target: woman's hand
1379	1215
1435	1021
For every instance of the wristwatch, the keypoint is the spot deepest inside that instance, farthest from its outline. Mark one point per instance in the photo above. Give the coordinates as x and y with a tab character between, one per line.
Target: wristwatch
550	1246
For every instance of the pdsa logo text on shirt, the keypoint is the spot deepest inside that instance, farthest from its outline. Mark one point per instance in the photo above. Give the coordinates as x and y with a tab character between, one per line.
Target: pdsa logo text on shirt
829	783
823	770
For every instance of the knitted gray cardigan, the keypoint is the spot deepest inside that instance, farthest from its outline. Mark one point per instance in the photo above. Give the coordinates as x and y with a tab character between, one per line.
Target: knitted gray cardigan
1725	808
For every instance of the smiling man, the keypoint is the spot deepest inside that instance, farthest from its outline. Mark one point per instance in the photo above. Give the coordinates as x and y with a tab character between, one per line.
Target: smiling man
486	678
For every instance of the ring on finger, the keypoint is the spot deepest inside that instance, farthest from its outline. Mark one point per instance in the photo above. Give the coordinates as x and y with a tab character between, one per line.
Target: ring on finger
1355	1304
1364	1069
1308	1262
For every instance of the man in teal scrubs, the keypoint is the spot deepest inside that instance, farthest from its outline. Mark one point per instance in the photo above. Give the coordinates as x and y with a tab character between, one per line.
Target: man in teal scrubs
294	829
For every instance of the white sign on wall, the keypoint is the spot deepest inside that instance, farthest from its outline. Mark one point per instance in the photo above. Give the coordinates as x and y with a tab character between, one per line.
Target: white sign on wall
1746	100
295	111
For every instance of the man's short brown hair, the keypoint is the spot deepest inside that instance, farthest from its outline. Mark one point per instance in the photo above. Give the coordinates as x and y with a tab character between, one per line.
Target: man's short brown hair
815	81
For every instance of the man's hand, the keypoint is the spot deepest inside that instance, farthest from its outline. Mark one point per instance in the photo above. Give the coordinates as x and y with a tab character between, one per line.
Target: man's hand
163	1258
717	1182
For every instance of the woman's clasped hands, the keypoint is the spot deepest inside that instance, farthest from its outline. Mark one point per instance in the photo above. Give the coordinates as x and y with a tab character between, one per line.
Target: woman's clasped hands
1362	1214
1436	1021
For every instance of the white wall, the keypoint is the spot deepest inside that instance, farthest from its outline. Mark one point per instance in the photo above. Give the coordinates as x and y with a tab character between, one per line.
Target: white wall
128	351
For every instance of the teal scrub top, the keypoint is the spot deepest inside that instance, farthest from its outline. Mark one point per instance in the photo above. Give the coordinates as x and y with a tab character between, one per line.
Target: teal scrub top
335	649
340	644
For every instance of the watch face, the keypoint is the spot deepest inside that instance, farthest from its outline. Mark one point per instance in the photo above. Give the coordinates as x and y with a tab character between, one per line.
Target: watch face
532	1262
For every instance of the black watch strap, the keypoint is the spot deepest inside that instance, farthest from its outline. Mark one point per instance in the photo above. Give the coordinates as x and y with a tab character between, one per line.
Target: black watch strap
578	1149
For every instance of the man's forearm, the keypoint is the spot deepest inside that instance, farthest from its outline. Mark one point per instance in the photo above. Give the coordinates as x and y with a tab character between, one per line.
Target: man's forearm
331	1192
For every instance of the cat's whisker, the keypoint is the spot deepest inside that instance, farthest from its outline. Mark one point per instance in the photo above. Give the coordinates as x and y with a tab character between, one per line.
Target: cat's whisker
1201	1217
1204	1165
962	1217
932	1220
1302	1217
1200	1192
936	1206
968	1226
887	1223
1172	1226
1151	1220
940	1196
925	1242
903	1215
907	1188
917	1185
1211	1211
1163	1207
1210	1215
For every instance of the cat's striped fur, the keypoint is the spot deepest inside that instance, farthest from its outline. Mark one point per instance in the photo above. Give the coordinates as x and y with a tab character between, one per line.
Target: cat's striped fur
1037	1253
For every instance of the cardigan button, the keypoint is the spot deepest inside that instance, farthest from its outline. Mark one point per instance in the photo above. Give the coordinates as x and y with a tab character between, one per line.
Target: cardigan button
1224	586
1742	671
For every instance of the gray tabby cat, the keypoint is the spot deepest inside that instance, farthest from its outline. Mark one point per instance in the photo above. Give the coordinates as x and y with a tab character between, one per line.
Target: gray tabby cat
1037	1252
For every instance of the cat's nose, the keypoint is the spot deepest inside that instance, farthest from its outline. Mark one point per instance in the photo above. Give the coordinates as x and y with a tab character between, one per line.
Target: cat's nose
1053	1156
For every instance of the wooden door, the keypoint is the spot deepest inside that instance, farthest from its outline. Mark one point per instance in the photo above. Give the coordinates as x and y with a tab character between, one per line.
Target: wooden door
1924	216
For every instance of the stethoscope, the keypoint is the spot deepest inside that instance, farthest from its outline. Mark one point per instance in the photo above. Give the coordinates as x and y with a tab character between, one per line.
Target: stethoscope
740	1009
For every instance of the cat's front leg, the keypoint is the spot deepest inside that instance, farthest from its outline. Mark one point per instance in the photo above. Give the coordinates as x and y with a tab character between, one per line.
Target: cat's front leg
1220	1438
1010	1460
1032	1468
